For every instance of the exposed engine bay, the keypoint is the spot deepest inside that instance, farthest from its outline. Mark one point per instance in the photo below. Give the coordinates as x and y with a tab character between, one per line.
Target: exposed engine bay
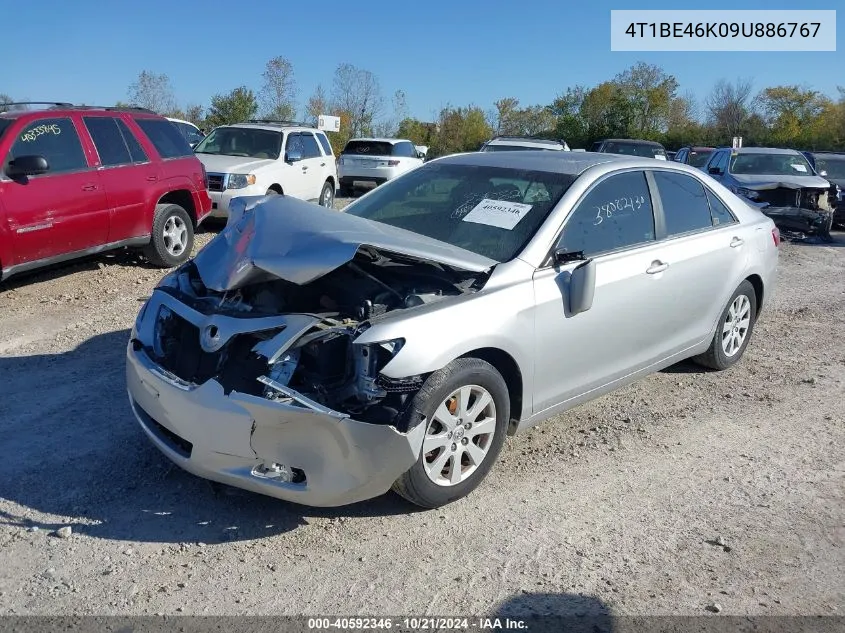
308	355
797	212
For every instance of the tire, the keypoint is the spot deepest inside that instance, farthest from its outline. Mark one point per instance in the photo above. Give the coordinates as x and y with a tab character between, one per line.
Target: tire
345	192
171	224
743	302
327	195
465	376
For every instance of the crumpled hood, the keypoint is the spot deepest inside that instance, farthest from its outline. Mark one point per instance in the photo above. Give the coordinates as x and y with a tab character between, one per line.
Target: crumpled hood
761	182
287	238
218	163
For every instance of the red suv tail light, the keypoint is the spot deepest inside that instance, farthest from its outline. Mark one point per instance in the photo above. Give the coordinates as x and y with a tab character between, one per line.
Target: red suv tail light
776	236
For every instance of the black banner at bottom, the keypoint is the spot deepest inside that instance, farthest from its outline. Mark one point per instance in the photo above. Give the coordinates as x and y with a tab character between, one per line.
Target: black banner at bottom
474	624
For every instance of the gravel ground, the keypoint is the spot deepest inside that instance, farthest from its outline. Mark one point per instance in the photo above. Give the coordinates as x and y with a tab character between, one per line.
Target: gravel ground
685	490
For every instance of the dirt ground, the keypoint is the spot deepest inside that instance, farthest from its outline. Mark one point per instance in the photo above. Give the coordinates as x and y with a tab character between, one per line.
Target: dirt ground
685	490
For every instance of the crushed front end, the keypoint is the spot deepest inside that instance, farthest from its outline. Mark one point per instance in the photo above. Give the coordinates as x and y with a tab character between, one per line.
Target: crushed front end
263	387
798	212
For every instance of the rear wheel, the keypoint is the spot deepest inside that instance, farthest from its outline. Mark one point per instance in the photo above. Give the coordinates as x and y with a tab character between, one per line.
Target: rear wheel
734	330
465	407
327	195
172	236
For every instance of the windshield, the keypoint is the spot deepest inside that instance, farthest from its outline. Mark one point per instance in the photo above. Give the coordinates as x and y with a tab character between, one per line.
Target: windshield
634	149
368	148
770	164
517	148
492	211
835	167
699	157
239	141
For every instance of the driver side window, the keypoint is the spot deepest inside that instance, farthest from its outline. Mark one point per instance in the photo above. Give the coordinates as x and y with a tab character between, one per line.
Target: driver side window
615	214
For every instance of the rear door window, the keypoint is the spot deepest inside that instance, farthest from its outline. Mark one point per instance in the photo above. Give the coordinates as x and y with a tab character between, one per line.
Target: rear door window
165	137
324	143
310	149
108	140
685	207
718	211
136	152
615	214
405	150
56	140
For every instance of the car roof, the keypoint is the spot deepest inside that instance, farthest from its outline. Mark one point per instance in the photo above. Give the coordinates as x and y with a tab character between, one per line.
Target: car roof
522	140
53	109
638	141
377	139
699	148
572	163
275	127
825	153
763	150
170	118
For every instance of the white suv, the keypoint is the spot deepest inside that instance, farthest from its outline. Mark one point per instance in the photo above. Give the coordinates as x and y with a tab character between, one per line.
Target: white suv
265	157
515	143
366	163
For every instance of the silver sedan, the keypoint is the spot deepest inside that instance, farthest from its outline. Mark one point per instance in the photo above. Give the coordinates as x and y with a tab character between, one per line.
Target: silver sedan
325	358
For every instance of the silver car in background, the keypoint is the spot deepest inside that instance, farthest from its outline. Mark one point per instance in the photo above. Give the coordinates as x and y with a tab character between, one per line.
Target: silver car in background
325	358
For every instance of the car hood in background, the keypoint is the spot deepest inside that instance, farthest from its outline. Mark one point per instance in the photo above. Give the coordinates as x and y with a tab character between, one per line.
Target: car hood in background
298	241
221	164
763	181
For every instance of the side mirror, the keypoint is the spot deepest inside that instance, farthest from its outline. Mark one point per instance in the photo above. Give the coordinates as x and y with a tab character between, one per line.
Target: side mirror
582	287
30	165
293	156
715	171
822	173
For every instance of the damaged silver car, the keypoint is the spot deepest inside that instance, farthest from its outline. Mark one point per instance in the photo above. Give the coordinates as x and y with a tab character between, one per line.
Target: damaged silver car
782	184
324	357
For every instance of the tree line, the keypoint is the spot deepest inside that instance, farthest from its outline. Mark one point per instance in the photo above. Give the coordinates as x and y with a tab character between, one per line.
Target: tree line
643	101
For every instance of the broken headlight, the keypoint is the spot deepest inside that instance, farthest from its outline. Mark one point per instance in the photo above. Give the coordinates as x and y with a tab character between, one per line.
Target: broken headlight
746	193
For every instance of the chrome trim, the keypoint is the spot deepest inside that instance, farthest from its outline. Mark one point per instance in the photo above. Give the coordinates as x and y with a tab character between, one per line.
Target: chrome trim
162	374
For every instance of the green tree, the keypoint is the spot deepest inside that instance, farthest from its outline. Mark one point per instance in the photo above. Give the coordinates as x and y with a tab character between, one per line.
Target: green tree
416	131
235	107
153	92
460	130
649	92
278	95
607	112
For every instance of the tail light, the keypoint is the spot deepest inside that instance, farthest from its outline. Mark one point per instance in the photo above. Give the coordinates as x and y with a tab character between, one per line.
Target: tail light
392	163
776	236
204	176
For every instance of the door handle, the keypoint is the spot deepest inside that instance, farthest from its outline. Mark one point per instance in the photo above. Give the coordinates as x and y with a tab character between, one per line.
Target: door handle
322	164
304	168
152	178
89	187
737	241
657	267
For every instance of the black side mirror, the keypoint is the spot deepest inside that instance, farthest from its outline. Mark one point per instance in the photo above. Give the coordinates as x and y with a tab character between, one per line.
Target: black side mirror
30	165
715	171
293	156
582	287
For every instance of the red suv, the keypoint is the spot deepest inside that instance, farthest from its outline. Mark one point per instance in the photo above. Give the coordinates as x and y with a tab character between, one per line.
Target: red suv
77	180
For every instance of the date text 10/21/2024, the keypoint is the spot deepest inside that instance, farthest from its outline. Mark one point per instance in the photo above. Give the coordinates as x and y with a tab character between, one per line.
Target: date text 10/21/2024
417	624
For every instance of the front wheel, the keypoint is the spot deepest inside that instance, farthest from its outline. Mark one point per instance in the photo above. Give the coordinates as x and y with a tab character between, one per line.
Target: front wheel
172	236
466	408
327	195
734	330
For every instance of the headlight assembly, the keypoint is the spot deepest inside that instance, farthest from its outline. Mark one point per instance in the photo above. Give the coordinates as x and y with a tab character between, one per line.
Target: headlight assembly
239	181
